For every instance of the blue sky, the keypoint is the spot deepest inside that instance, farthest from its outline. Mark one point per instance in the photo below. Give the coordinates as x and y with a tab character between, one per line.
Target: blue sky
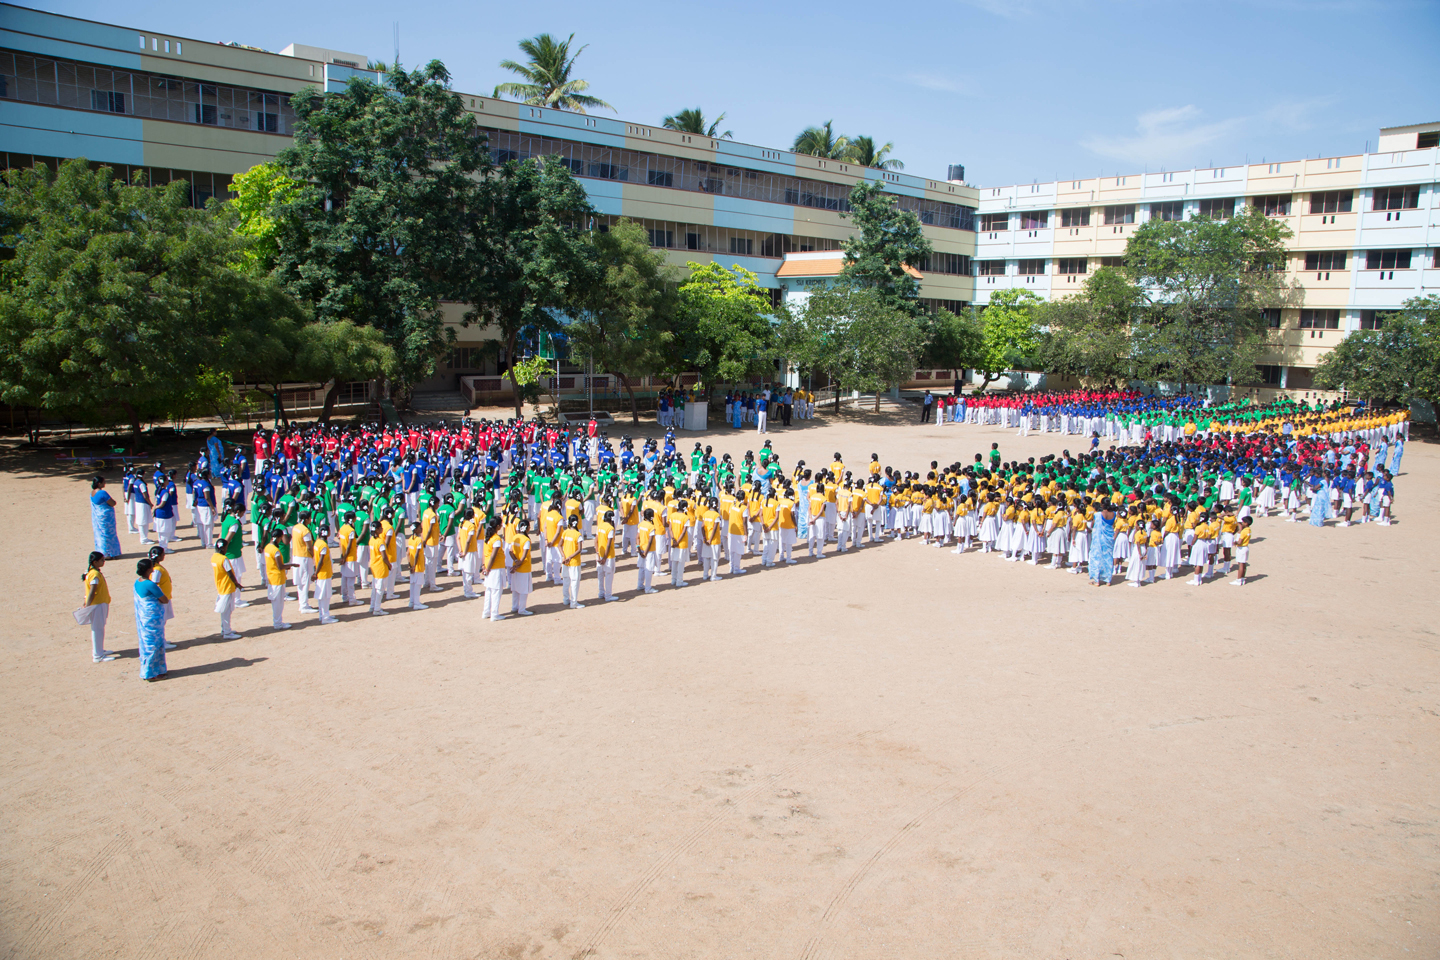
1016	90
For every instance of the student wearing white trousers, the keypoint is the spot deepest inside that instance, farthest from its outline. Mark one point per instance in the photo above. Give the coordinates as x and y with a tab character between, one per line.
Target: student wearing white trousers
494	564
227	588
97	607
605	556
323	575
517	569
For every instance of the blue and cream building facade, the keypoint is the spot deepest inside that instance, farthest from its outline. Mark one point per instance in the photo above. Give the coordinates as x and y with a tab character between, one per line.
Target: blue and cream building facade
158	107
1365	229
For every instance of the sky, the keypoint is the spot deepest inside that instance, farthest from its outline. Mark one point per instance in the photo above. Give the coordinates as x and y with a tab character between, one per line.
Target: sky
1016	90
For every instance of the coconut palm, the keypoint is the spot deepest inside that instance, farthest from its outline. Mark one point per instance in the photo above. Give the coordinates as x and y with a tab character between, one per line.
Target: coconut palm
547	75
693	121
822	141
864	152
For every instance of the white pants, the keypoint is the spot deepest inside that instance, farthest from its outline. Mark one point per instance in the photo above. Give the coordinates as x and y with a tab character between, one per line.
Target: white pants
645	570
520	584
817	536
322	597
494	587
605	574
787	543
304	576
735	546
432	561
772	541
710	561
417	586
570	584
204	521
760	418
678	556
276	593
98	616
377	593
225	606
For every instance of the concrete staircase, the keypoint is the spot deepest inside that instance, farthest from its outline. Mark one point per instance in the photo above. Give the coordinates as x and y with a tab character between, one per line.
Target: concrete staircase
449	403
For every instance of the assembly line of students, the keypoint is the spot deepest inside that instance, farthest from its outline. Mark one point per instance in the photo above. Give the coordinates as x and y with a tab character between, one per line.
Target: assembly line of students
502	507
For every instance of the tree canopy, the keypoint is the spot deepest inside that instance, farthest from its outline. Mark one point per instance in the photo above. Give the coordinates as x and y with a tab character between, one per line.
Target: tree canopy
864	152
693	121
822	141
1088	335
546	73
855	335
1009	334
887	242
725	325
1399	362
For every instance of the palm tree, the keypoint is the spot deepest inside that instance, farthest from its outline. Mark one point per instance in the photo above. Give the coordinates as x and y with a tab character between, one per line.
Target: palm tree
548	76
693	121
864	152
822	141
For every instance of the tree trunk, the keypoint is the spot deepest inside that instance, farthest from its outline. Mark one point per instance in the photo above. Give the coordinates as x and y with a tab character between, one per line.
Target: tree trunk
836	387
877	401
634	406
510	353
331	396
134	416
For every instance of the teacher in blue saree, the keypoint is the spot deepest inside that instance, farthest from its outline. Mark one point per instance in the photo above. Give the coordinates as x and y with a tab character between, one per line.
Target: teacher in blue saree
149	621
102	519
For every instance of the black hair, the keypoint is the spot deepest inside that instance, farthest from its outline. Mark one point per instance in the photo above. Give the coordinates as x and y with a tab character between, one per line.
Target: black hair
90	563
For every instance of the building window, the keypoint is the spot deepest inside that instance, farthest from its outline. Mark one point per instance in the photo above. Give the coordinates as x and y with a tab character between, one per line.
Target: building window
990	268
1271	316
1272	168
1274	205
609	171
1374	319
1072	265
1075	218
1387	260
1034	219
1396	198
994	222
742	245
1222	208
1032	268
1325	260
1424	141
692	241
1269	374
1120	214
1319	319
1332	201
106	100
661	238
206	113
1174	210
660	178
1113	262
932	305
956	264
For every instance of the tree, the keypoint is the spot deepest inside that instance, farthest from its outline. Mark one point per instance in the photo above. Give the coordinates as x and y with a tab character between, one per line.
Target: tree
121	297
693	121
524	260
1009	335
547	77
1088	335
724	319
955	341
822	141
888	248
1400	362
389	177
857	336
1206	282
260	194
624	320
864	152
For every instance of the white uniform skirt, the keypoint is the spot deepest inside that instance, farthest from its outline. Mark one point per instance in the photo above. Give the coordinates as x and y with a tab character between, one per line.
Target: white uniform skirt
1055	541
1122	547
1200	553
990	528
1170	551
1080	547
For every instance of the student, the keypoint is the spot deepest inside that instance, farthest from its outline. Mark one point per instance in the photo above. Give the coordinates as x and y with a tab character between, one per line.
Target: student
736	532
679	542
379	568
301	544
818	521
605	556
348	552
227	589
494	562
647	564
97	606
785	526
570	544
415	550
517	559
712	528
467	540
323	574
161	576
1242	551
275	579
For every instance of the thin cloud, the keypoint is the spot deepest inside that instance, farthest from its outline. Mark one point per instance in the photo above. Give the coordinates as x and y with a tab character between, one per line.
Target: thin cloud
1169	135
933	81
1009	9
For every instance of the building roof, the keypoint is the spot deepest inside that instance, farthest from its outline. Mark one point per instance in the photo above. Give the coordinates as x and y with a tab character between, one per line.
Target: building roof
827	263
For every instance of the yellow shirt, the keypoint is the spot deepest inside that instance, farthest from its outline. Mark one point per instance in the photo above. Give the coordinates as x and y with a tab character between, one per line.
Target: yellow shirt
349	544
102	590
785	513
322	560
415	551
710	527
223	584
519	547
817	504
166	587
680	531
430	528
379	562
736	519
645	536
550	527
299	541
570	544
1242	537
274	566
604	541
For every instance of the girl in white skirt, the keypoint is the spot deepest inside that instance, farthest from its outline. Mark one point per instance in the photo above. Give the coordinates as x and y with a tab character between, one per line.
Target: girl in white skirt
1200	550
1079	539
1057	530
1242	551
1170	549
990	524
1139	538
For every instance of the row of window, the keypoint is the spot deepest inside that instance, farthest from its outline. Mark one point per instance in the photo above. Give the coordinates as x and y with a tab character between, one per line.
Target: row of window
1326	319
1275	205
83	86
631	166
1314	261
203	184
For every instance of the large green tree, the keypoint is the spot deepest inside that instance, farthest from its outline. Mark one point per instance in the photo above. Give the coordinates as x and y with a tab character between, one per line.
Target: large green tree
624	316
955	341
725	324
1088	335
122	298
1399	362
389	179
887	248
855	335
546	74
525	262
1009	334
1206	282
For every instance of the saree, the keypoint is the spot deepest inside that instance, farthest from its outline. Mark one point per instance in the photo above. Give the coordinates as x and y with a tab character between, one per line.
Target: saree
1102	550
150	628
1320	505
102	522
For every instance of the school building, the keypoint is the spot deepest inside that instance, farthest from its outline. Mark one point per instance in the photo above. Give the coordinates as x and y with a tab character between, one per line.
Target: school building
159	107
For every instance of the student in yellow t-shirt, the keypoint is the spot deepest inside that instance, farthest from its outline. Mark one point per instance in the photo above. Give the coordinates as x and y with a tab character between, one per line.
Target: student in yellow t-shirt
605	555
324	572
570	544
770	529
736	532
516	549
786	525
227	589
679	542
647	565
415	552
348	547
379	567
467	542
819	520
1242	551
97	605
712	528
304	565
275	567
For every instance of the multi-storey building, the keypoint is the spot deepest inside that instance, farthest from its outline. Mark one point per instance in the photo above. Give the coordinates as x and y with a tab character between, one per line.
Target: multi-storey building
1365	230
158	107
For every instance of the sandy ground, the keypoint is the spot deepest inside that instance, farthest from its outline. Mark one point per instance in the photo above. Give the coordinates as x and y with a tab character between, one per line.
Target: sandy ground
896	753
